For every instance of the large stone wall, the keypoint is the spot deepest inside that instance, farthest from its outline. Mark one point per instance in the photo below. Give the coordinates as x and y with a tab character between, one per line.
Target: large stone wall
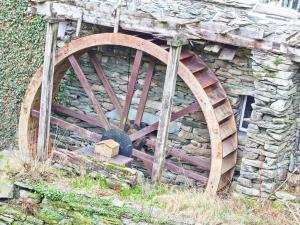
272	129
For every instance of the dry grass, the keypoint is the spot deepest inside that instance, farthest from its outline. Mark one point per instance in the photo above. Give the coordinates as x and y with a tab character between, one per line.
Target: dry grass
18	167
187	203
235	209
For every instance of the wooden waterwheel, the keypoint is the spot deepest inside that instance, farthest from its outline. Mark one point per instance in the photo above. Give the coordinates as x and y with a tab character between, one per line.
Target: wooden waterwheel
210	97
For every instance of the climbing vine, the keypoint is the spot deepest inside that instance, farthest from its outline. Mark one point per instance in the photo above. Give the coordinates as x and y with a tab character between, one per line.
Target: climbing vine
21	53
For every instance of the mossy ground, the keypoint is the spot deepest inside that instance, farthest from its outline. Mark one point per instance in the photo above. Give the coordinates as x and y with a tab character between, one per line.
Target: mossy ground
66	196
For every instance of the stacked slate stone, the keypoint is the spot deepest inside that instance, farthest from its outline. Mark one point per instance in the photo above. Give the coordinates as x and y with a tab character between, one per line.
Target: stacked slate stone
272	128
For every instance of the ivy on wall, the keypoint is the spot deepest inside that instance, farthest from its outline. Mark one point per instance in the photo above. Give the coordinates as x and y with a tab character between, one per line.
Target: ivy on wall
21	53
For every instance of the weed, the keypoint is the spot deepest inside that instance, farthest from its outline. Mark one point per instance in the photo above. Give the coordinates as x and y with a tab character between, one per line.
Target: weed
277	61
126	192
88	183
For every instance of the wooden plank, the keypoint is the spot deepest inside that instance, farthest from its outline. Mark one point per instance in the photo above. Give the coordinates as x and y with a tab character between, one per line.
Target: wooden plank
78	115
277	11
229	162
186	54
147	130
248	36
229	145
89	92
228	53
69	126
146	88
133	79
228	128
46	93
193	64
165	113
206	78
215	95
225	179
172	167
101	74
118	159
223	111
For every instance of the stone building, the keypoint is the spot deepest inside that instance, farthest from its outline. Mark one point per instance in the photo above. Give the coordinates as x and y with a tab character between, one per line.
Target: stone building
254	50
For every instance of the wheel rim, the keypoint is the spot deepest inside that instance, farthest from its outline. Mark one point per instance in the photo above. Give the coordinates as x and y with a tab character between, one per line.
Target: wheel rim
223	146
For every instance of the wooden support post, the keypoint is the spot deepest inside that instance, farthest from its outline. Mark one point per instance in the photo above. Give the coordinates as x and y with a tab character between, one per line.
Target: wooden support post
118	15
165	113
47	86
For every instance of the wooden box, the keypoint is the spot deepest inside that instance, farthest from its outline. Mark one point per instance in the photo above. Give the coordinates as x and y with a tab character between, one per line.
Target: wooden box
108	148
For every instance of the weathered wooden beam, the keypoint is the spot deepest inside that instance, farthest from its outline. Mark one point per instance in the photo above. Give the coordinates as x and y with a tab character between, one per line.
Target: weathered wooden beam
131	85
247	35
71	127
175	115
171	166
276	11
146	88
101	74
86	86
167	99
47	89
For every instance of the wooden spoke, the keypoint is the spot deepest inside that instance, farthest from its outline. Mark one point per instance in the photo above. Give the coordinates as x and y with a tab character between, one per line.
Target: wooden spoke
172	167
131	85
200	163
78	115
147	130
143	100
88	90
68	126
101	74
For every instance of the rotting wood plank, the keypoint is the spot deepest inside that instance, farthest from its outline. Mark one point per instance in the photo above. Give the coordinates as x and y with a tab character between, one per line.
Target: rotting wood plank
130	91
84	82
105	169
165	113
47	91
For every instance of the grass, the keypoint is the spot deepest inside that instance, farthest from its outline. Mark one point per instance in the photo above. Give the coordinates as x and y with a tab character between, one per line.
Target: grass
235	209
160	202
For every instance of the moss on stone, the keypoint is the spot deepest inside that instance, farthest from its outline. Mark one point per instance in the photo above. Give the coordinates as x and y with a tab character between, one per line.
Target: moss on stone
80	219
51	215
